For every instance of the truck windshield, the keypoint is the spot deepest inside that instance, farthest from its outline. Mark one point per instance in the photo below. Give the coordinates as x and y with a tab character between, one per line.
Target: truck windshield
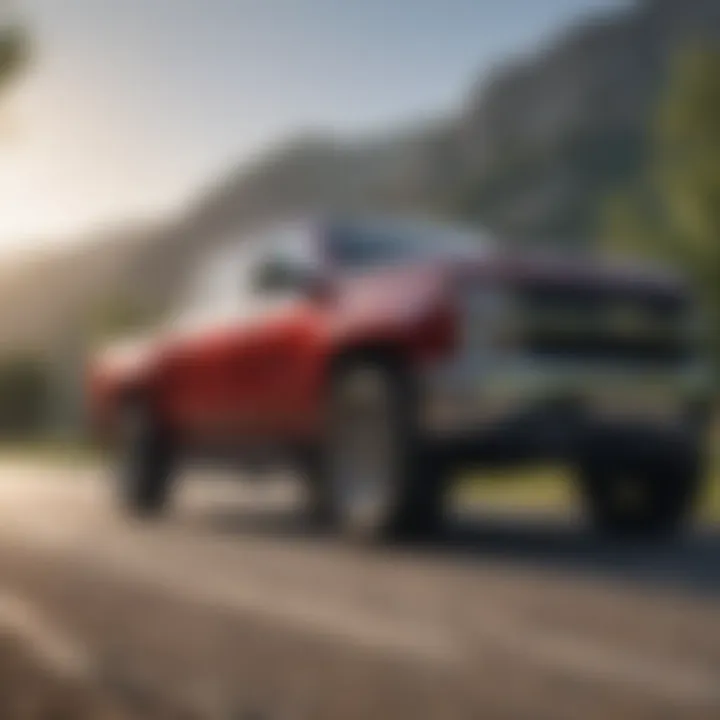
372	244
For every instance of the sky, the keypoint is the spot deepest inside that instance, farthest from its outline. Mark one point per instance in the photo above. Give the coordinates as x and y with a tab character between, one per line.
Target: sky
129	107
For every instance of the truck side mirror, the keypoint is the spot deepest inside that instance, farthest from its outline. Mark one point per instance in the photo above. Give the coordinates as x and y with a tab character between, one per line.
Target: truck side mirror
319	287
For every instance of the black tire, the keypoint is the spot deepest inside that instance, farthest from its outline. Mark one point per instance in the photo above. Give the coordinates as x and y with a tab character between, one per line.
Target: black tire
410	502
144	463
647	492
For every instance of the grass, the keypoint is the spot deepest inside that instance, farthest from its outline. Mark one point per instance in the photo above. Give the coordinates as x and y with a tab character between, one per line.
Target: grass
710	508
56	451
541	488
551	488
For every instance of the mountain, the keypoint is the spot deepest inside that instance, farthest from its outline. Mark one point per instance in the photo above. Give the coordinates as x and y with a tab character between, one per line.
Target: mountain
547	138
531	153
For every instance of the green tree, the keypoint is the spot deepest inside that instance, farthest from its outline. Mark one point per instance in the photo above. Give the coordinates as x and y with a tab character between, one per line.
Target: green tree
674	213
688	168
24	397
13	52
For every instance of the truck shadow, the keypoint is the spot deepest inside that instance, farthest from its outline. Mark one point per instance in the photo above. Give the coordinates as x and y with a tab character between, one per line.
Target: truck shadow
691	563
522	541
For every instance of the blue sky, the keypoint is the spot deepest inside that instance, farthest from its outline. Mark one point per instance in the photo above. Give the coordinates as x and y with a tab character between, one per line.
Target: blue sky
131	105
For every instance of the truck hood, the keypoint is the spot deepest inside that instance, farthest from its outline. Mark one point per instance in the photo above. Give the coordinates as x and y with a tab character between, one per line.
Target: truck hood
570	270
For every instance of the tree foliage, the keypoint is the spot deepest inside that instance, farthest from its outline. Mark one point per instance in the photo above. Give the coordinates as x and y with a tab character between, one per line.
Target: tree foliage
24	388
24	397
688	161
13	52
674	213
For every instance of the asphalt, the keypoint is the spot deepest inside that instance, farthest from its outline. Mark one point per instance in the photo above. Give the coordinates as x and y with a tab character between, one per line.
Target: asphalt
232	607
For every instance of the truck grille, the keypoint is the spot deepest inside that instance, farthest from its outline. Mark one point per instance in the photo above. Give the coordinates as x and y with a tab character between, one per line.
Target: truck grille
579	323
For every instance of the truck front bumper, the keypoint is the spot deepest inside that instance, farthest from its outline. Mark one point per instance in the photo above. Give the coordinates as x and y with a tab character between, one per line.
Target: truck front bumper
520	410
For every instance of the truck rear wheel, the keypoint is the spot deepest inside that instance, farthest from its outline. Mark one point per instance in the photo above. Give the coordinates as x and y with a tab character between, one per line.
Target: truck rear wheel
144	463
376	481
644	494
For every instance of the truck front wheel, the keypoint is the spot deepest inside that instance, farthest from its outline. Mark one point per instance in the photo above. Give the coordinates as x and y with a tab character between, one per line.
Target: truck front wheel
649	493
375	479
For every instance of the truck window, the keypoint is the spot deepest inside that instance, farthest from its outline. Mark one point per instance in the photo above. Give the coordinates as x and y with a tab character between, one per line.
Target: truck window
288	256
371	244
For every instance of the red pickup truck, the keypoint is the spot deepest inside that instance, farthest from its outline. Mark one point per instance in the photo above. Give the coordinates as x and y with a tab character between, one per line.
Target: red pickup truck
381	355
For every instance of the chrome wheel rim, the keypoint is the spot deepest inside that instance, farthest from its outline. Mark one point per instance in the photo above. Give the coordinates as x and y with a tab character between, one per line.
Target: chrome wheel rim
363	457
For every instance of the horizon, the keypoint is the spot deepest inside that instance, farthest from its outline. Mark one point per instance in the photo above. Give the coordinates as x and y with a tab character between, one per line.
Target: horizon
128	111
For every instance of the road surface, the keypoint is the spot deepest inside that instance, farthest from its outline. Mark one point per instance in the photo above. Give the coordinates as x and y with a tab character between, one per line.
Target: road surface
231	607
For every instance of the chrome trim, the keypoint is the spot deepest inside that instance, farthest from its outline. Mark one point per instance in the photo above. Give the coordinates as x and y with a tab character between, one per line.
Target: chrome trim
458	397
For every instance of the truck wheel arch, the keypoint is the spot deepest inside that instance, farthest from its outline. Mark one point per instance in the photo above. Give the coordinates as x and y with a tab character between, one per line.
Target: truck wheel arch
389	355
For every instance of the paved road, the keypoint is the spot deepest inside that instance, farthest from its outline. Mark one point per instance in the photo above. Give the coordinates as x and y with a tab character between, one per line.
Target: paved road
231	604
